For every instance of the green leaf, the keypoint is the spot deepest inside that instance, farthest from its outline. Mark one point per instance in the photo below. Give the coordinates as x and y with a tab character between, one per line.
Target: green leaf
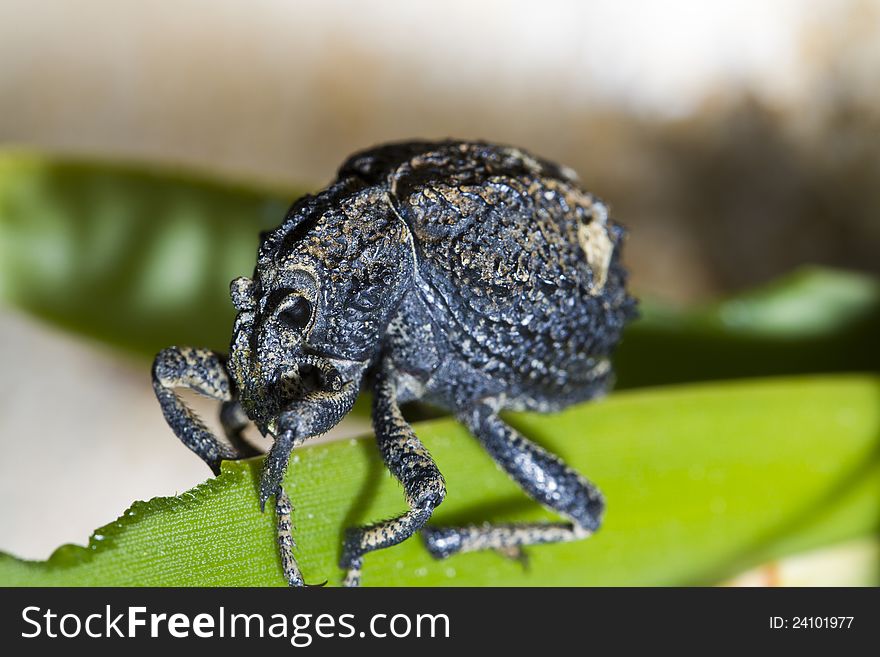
813	320
134	256
701	481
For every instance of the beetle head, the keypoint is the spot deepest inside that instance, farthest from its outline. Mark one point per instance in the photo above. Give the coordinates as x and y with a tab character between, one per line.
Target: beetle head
311	320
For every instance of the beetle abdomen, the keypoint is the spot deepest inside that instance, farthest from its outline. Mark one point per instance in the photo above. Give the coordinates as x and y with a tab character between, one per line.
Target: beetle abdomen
518	264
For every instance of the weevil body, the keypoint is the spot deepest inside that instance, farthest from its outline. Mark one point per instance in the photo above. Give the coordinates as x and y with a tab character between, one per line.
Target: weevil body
472	276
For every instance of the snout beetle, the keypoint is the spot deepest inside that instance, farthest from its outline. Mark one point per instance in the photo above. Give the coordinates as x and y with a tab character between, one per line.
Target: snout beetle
472	276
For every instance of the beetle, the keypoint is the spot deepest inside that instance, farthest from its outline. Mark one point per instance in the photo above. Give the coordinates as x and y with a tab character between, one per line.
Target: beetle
473	276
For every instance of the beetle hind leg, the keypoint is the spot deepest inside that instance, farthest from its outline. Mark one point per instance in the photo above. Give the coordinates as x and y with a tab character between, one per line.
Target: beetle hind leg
542	475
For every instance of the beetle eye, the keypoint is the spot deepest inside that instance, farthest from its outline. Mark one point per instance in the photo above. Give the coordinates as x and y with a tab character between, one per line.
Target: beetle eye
296	313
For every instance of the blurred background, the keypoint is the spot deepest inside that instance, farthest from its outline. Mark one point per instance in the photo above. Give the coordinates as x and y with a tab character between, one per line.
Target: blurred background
736	139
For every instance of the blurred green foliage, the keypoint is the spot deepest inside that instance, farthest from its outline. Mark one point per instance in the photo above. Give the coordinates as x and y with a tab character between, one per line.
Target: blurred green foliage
135	257
813	320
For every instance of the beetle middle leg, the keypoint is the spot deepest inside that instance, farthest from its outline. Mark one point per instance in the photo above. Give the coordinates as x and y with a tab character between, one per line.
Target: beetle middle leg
542	475
411	463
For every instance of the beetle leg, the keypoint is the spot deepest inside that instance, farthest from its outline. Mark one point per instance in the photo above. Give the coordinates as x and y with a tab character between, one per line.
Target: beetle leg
310	416
283	509
234	421
542	475
411	464
274	467
201	370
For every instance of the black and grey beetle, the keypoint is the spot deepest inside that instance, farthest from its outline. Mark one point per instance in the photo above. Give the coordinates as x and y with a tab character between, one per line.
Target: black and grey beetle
472	276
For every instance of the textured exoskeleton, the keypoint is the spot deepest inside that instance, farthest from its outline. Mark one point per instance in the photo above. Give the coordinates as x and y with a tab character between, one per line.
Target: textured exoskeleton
472	276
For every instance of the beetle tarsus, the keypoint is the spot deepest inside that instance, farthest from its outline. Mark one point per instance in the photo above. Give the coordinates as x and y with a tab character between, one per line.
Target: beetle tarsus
542	475
284	532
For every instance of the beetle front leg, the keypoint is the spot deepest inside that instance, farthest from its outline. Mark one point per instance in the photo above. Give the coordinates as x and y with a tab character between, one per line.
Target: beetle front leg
203	371
312	415
542	475
284	532
411	464
271	476
234	420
